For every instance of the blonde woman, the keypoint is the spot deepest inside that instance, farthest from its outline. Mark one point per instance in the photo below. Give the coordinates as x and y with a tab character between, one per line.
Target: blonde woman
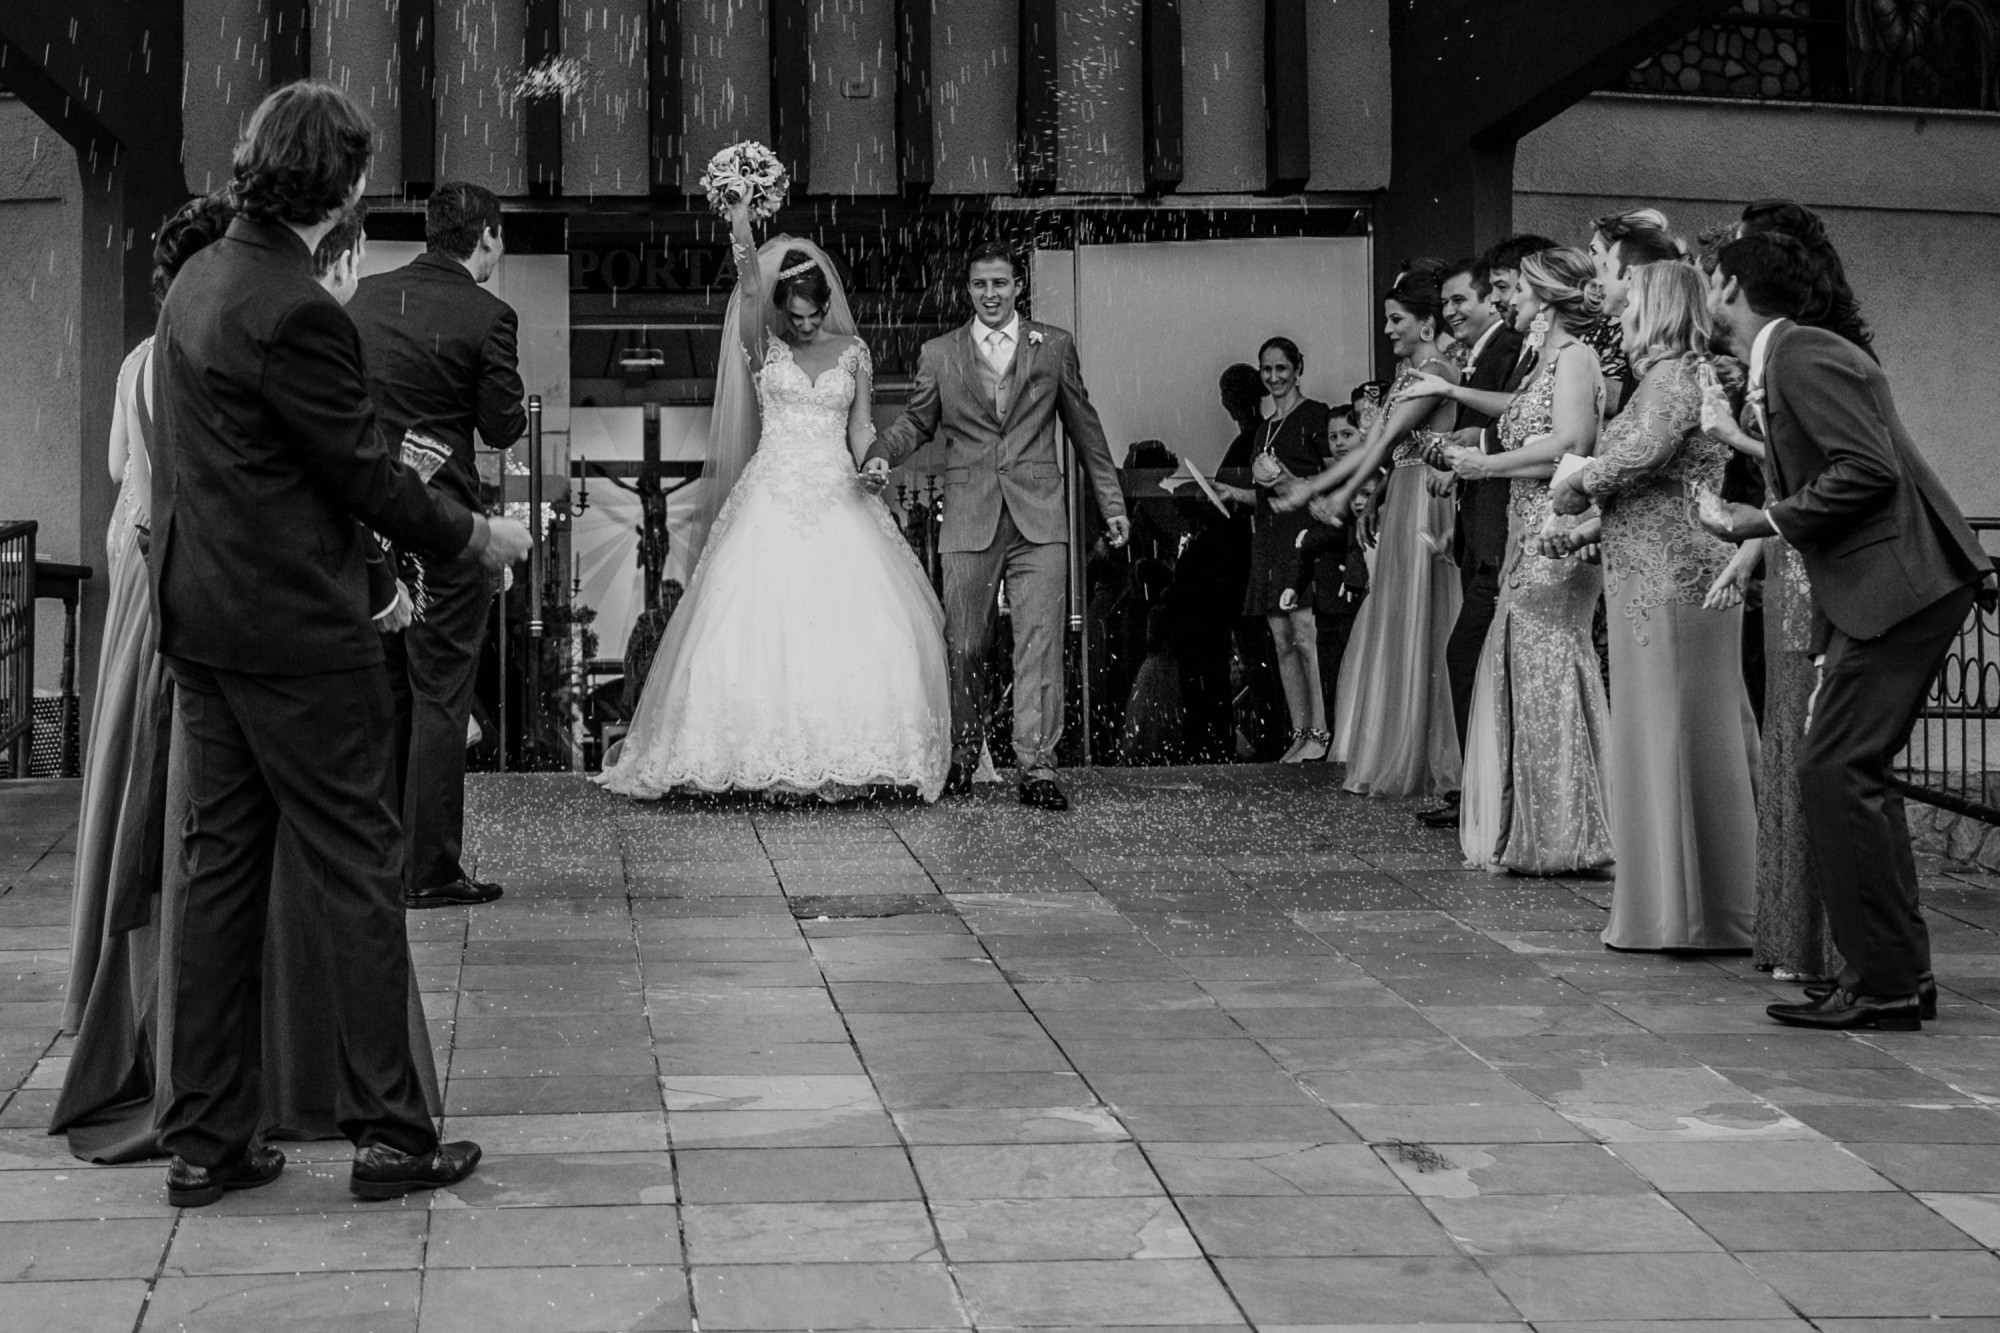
1683	740
1534	798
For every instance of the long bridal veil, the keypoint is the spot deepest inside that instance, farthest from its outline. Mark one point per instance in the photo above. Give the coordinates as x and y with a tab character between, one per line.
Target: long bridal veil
736	424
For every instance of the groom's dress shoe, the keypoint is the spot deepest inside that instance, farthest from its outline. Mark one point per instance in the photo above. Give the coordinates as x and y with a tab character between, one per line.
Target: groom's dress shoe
1444	816
191	1186
381	1172
458	893
1043	794
1841	1009
958	780
1926	994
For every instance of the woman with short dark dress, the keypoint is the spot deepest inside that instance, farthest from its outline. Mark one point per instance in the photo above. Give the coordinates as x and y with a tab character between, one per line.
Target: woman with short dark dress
1292	443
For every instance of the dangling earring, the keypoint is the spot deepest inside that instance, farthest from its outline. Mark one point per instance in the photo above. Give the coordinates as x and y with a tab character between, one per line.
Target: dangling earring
1593	296
1538	330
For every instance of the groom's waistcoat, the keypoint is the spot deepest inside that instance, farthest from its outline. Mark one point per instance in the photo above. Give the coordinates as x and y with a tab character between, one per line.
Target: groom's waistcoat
999	435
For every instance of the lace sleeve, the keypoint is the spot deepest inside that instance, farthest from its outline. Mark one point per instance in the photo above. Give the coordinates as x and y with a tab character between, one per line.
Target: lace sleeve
861	412
1646	436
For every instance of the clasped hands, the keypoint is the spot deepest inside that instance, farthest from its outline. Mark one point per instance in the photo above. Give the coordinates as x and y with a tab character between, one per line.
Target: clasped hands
874	478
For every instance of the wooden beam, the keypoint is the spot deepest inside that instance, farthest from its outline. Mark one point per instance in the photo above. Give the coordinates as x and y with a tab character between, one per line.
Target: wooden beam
1037	104
792	87
1160	57
416	94
542	120
1287	112
916	130
288	38
666	117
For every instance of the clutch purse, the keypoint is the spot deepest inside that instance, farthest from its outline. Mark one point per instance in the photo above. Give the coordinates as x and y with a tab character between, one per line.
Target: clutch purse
423	455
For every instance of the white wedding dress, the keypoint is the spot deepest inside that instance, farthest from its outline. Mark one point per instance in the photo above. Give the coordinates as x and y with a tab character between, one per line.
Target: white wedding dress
808	654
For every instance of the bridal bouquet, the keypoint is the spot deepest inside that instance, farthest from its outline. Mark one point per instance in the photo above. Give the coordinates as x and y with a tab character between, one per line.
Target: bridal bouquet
746	170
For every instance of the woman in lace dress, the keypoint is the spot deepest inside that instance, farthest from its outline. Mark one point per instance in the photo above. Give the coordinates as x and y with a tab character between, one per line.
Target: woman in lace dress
807	657
1534	798
1683	753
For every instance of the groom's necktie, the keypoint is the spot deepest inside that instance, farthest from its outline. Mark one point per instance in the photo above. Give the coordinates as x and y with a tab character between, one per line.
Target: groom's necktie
999	347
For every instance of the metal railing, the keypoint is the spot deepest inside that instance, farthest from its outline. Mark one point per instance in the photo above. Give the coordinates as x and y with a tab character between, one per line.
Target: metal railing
1948	762
17	645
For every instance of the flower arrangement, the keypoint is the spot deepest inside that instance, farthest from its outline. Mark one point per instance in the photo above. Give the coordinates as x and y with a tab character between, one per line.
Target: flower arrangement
746	170
556	78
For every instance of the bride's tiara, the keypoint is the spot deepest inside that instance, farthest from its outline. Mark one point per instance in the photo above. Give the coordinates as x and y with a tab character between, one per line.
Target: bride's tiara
797	269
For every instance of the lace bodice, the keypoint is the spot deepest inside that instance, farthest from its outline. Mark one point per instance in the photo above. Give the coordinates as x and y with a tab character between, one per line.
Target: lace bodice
1532	412
1652	460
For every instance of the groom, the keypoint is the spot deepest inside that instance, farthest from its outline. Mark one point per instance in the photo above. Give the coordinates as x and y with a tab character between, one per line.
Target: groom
997	386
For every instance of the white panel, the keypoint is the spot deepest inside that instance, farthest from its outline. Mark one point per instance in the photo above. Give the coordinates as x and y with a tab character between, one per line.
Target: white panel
1157	324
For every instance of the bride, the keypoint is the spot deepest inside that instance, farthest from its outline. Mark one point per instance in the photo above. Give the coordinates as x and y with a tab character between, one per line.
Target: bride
807	658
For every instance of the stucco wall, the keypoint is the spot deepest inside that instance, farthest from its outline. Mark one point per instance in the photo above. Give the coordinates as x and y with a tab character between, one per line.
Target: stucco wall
726	77
1099	132
227	72
605	148
354	46
973	72
1911	200
1222	96
479	50
854	138
40	459
1348	62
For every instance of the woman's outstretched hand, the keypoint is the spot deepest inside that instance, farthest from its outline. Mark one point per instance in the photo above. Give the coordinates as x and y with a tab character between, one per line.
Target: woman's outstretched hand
1427	385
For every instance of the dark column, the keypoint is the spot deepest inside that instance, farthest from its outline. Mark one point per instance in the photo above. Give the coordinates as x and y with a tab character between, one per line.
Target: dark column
1036	106
666	118
1287	113
1160	53
416	47
1451	186
107	78
289	38
791	88
542	120
916	132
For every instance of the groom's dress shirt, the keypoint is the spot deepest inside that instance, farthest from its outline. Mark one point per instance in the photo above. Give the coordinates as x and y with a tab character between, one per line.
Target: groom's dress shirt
268	453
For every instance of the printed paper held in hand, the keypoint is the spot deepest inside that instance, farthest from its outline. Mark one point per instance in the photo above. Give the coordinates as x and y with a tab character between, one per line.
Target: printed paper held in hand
1207	488
1568	466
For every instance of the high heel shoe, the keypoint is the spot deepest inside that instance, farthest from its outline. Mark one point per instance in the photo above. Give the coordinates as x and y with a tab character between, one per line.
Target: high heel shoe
1309	747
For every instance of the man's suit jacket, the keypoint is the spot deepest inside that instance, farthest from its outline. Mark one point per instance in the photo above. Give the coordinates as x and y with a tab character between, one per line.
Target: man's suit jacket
990	461
1482	505
443	359
1880	538
267	456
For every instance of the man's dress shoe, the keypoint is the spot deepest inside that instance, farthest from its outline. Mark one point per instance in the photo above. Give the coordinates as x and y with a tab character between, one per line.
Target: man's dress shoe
958	780
1445	816
458	893
1841	1009
191	1186
1926	994
381	1172
1043	794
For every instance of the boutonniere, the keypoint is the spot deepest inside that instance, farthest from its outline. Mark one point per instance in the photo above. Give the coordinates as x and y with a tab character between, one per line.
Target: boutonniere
1034	337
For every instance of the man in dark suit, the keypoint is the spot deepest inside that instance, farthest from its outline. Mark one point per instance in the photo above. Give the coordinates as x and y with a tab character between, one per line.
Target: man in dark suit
1478	321
442	362
268	463
1893	568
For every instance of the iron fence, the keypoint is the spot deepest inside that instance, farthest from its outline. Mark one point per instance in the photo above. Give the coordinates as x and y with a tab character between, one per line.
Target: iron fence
1948	761
17	645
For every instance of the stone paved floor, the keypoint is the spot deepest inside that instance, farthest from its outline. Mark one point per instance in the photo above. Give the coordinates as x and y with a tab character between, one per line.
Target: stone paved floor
1219	1049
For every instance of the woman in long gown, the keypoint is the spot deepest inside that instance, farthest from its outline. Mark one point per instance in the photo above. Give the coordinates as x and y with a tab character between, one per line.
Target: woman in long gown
807	657
1534	797
125	909
1393	723
1683	745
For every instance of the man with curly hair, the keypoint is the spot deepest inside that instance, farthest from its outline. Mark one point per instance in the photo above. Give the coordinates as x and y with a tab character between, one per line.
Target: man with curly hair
269	462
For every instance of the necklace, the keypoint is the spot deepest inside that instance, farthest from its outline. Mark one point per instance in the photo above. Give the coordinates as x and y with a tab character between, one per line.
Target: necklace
1277	422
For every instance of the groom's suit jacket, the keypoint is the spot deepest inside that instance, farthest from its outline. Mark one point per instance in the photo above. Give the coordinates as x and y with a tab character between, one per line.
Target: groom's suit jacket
1879	535
267	456
991	460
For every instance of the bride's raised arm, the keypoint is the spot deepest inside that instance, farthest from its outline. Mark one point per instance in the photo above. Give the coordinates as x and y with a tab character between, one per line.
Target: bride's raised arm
861	413
749	279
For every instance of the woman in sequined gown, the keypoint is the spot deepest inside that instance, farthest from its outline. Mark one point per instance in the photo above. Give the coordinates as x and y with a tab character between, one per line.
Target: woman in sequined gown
1534	796
1393	724
1683	741
807	657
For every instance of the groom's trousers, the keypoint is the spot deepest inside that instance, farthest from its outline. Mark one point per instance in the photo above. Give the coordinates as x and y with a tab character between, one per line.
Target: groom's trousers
1037	577
1869	696
312	751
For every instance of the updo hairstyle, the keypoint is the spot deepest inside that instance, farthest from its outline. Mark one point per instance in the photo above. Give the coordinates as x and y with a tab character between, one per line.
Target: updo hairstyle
1288	347
811	284
1561	277
1418	291
199	223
